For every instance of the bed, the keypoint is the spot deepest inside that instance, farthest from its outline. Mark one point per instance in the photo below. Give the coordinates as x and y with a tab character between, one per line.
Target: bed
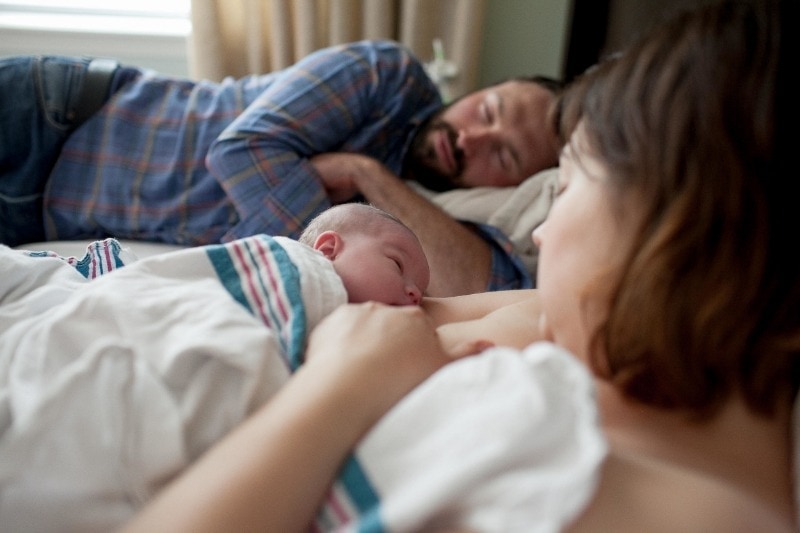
121	362
116	372
514	211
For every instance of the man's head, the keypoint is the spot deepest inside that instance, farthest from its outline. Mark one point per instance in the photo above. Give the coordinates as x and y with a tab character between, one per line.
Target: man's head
497	136
377	257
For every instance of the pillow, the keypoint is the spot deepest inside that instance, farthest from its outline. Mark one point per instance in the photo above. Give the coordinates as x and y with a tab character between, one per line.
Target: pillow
515	211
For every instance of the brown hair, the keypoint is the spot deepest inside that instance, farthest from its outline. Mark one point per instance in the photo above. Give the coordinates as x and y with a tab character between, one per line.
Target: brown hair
695	120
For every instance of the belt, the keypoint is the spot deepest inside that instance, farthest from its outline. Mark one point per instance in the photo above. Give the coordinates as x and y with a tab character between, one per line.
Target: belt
95	91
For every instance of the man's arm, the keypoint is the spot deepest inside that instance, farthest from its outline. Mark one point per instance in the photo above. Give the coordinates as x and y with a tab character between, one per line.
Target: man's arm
343	98
460	260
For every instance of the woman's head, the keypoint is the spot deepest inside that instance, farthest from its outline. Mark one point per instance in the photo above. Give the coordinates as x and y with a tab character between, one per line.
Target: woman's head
687	132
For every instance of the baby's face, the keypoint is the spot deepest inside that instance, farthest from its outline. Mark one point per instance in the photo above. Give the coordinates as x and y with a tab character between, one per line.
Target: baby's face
390	268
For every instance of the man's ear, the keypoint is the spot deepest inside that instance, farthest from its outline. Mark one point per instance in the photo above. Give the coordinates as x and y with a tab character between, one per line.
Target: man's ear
329	243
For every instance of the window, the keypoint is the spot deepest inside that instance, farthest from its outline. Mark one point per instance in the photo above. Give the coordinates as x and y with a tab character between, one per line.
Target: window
169	8
146	33
161	17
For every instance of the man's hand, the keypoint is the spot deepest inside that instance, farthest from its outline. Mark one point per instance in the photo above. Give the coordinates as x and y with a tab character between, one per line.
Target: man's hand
460	260
338	171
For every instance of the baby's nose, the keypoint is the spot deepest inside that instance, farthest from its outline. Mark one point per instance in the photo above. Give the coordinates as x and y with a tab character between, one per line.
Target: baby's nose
414	295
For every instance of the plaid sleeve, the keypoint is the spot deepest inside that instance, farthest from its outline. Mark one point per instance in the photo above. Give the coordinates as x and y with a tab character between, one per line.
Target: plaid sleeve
352	98
508	271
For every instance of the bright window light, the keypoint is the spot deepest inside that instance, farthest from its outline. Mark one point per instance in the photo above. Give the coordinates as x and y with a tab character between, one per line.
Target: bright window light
139	8
147	33
135	17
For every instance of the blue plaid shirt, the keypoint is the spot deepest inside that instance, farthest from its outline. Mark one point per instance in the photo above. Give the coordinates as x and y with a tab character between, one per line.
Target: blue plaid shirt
193	163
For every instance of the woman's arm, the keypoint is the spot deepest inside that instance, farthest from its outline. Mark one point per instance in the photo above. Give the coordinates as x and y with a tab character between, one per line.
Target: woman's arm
272	472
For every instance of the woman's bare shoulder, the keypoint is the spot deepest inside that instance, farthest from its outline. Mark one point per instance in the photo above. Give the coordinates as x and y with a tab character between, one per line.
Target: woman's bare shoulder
638	495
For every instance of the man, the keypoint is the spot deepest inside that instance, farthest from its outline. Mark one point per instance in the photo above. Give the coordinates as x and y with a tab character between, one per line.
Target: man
191	163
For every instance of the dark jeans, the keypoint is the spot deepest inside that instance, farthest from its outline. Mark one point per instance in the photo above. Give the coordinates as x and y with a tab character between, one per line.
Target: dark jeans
39	97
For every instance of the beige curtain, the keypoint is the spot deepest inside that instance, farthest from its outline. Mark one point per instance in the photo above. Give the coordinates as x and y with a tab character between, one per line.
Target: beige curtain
238	37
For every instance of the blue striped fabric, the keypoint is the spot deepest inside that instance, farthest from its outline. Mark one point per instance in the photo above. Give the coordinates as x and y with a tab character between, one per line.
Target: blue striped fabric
198	162
101	258
259	274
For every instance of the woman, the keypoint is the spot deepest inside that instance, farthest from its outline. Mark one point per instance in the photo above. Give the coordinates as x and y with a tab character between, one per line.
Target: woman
666	266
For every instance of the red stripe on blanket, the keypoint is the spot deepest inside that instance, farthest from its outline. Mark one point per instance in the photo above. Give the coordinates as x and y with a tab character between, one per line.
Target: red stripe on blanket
277	288
248	274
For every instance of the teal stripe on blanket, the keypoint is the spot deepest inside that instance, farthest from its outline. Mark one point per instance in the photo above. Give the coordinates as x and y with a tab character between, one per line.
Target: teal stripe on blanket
292	334
352	477
101	257
291	279
363	496
226	272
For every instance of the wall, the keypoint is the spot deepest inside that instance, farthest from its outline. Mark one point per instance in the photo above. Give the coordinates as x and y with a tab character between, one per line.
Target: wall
524	37
628	18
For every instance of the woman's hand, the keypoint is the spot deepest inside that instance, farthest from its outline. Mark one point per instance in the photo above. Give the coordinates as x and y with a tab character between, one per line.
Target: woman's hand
271	472
379	353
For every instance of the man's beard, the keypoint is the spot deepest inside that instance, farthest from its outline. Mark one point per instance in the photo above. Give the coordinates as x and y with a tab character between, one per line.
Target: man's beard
419	162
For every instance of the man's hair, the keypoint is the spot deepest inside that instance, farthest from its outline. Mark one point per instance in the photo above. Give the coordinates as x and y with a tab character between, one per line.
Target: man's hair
551	84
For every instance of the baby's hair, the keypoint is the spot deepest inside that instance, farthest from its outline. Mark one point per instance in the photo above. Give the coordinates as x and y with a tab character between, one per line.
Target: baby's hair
343	218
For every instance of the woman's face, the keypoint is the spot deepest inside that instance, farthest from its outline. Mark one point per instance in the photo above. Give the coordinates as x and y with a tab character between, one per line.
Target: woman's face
581	247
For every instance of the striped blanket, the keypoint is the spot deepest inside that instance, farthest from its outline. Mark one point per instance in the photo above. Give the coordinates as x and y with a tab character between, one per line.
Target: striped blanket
113	380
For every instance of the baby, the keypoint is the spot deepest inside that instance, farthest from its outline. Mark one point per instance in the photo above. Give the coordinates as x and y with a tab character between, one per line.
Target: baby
147	364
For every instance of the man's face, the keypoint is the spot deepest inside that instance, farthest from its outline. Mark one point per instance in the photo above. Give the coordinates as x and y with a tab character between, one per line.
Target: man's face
497	137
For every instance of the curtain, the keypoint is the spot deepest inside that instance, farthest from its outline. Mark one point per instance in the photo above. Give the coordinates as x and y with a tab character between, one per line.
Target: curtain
239	37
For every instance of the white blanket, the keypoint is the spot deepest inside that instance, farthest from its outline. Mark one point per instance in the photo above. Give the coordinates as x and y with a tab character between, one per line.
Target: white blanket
503	442
110	387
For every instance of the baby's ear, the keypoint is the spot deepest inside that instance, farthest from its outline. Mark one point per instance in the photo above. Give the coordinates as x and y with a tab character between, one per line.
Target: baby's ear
329	243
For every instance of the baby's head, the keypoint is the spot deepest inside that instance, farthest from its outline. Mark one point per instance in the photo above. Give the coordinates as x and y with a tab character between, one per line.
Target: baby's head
378	257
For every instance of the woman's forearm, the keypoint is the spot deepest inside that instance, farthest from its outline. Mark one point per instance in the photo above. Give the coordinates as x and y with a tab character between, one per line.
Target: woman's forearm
272	472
